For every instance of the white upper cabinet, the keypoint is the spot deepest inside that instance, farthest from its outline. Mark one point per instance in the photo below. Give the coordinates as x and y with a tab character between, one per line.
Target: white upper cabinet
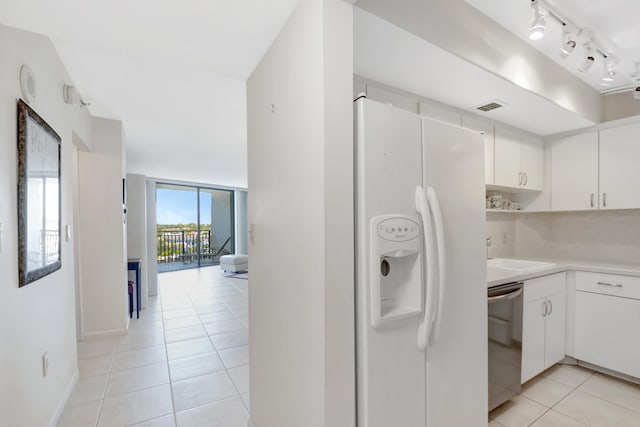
596	170
486	128
508	158
574	173
533	163
519	161
619	167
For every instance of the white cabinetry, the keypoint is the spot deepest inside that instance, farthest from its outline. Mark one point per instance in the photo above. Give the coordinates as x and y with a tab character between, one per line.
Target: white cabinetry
508	158
486	128
519	161
533	162
543	324
619	170
596	170
574	173
607	321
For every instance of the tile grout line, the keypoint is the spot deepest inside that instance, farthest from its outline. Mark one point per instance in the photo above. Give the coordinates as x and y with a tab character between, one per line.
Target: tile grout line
600	397
106	386
226	369
166	353
191	298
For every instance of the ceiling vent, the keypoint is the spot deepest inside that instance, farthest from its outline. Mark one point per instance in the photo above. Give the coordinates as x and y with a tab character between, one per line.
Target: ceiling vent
491	105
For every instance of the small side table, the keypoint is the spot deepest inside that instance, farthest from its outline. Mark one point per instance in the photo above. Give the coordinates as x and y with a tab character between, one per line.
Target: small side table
134	264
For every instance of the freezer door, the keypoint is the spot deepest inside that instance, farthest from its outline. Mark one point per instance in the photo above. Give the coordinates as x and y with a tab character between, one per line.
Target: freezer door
457	353
390	367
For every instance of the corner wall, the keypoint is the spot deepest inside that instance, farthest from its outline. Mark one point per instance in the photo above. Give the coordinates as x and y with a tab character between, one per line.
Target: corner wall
39	317
137	230
102	233
300	145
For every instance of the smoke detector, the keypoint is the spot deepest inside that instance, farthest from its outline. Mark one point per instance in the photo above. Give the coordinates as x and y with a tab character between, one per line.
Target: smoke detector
28	84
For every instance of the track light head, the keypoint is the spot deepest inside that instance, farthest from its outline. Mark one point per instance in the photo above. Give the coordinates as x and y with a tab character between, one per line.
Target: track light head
589	59
536	32
568	42
609	71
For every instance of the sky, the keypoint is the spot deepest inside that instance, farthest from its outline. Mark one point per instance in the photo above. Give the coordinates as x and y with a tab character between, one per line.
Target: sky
180	207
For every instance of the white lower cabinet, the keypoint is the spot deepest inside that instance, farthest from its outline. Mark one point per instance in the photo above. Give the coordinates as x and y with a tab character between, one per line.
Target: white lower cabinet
607	321
543	324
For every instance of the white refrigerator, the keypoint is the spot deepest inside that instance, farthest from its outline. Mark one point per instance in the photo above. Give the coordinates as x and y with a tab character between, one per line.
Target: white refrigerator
421	301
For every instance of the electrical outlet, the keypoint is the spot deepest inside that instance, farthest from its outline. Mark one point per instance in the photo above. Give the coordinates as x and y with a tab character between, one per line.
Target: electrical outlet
45	364
504	238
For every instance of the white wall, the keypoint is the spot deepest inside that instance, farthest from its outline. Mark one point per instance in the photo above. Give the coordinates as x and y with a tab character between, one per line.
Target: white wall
137	229
152	241
242	226
41	316
300	144
103	237
620	105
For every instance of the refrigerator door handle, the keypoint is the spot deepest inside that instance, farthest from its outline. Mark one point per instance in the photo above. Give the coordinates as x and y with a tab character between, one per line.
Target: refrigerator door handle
434	206
422	207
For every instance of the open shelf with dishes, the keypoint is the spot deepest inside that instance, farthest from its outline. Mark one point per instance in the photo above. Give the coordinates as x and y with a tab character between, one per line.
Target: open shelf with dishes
506	200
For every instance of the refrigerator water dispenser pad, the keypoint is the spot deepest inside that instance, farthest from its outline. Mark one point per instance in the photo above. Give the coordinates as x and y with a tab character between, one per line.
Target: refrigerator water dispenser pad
395	268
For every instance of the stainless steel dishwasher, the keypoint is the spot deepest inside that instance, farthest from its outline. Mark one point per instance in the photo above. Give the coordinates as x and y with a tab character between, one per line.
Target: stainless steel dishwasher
505	342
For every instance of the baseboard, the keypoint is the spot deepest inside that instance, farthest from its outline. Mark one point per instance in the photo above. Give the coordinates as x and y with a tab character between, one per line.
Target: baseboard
108	333
65	397
609	372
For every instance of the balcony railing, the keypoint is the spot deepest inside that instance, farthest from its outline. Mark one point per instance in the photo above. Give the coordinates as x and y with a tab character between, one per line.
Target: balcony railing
180	247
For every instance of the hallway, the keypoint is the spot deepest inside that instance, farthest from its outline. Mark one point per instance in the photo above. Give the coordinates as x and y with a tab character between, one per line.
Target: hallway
183	363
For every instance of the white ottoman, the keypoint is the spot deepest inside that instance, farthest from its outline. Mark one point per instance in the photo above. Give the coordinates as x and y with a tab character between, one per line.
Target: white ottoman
234	263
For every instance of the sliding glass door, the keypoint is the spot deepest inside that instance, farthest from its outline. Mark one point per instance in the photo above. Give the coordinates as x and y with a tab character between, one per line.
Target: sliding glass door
195	226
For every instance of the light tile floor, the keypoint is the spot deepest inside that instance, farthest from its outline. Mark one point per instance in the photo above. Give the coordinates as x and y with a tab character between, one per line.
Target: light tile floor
571	396
184	362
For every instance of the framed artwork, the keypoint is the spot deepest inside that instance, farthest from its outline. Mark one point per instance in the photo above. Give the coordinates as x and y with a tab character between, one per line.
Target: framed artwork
39	230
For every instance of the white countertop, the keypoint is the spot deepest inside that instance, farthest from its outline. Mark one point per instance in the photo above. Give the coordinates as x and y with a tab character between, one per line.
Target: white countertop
499	276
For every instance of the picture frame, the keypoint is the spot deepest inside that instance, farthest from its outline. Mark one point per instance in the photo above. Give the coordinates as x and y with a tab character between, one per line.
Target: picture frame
39	197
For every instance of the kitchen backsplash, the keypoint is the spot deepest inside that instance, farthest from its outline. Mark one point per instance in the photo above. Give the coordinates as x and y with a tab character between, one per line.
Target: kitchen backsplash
610	236
501	227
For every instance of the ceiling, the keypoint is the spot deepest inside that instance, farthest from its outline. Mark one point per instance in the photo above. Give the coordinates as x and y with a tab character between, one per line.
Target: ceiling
173	71
393	56
612	23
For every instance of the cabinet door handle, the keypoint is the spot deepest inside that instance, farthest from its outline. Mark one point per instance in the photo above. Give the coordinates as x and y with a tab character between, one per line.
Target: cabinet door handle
546	308
550	306
526	178
604	200
592	200
519	178
611	285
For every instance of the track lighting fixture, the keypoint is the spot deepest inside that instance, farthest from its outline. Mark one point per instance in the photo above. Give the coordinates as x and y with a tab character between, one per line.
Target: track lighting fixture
589	59
536	32
568	42
609	71
572	35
